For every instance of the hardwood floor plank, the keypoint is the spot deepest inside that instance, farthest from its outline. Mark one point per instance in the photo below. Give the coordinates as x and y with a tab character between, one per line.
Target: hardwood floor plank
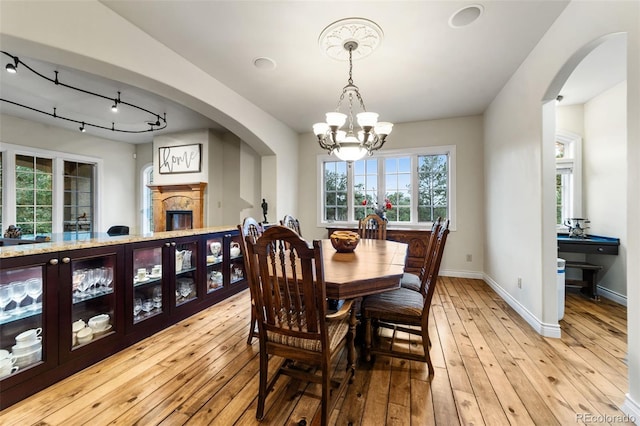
491	368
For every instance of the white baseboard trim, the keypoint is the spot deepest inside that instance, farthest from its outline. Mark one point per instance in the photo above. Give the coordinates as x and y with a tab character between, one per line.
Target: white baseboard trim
462	274
632	409
612	295
545	329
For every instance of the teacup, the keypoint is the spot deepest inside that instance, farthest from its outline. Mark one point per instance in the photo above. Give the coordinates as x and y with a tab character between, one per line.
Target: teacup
85	335
5	354
27	337
142	274
156	270
99	322
8	370
78	325
215	248
7	362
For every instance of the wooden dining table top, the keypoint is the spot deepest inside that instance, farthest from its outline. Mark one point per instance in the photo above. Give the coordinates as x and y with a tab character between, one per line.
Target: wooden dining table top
375	266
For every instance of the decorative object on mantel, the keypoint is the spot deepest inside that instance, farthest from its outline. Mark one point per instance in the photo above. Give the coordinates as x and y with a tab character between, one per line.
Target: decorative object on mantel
155	122
344	241
353	36
180	159
13	232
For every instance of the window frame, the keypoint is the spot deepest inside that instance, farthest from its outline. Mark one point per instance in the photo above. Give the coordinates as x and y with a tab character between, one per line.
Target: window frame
573	145
9	152
413	153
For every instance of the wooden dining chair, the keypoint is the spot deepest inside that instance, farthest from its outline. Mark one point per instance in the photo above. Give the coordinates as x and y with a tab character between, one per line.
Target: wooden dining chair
249	227
417	282
293	323
373	227
292	223
403	310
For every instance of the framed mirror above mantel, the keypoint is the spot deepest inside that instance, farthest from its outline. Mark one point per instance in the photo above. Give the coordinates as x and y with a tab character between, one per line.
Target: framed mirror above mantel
186	198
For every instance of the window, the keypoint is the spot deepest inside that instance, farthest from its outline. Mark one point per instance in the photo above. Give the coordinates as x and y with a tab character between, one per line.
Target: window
147	202
34	201
413	188
78	197
46	192
568	177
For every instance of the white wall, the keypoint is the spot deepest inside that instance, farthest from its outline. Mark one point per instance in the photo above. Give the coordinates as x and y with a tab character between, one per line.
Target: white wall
90	37
118	207
605	179
463	132
518	204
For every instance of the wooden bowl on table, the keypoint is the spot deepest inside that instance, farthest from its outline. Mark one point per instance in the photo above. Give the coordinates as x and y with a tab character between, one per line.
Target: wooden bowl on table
344	241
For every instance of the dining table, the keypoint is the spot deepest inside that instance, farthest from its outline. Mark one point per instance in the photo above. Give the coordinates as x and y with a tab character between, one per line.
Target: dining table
375	266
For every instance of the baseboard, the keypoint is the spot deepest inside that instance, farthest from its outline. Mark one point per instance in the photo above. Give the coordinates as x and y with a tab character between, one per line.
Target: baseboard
631	409
612	295
461	274
544	329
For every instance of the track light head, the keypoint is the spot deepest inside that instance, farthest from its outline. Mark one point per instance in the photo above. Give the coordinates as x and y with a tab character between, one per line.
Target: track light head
82	129
114	107
13	68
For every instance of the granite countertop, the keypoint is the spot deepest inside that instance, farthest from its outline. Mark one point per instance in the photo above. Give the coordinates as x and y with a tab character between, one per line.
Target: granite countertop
101	240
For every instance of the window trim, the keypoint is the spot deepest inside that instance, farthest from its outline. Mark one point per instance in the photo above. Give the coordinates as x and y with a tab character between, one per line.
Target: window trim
574	141
9	152
410	152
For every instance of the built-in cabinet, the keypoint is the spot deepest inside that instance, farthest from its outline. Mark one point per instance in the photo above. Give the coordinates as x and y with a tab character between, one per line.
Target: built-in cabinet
63	311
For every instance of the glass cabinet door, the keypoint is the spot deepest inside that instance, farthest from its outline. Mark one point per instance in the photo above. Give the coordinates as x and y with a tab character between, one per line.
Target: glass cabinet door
236	261
214	264
186	288
93	301
147	283
21	319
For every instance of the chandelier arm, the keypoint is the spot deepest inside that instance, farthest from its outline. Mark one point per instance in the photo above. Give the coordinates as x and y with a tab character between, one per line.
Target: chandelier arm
88	92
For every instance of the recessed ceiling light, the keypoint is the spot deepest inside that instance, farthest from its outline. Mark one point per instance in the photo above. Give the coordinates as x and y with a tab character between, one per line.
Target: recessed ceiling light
466	16
264	63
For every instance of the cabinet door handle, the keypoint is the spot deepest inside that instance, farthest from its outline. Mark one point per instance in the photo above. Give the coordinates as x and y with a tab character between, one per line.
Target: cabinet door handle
173	244
53	261
66	260
167	244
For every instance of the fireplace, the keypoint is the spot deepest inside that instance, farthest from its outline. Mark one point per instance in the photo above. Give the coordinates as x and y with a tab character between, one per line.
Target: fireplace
179	219
179	206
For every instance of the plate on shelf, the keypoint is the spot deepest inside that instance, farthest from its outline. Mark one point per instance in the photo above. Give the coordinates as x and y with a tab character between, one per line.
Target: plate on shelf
144	280
154	276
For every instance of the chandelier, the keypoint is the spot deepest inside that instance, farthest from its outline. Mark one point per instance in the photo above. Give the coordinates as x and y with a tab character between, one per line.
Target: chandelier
348	145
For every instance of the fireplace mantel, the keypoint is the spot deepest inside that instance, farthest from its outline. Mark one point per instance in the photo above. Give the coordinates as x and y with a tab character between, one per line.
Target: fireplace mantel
182	196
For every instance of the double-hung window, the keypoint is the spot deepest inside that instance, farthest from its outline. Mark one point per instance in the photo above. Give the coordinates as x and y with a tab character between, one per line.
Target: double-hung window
410	188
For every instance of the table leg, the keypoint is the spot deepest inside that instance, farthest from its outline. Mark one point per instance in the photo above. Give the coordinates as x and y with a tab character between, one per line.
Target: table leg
351	354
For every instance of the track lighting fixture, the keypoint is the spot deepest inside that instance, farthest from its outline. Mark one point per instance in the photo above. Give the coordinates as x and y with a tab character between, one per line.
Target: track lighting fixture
159	123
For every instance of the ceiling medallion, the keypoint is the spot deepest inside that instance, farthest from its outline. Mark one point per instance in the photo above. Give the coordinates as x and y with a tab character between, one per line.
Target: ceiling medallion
367	34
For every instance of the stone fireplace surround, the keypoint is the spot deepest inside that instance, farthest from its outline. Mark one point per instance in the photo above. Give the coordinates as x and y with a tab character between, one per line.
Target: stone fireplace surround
183	196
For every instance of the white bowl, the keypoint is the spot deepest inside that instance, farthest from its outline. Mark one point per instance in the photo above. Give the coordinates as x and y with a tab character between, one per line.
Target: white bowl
29	358
105	330
7	370
21	349
99	322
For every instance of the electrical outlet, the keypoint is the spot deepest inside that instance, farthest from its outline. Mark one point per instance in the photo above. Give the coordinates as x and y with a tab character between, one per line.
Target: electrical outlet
469	258
519	282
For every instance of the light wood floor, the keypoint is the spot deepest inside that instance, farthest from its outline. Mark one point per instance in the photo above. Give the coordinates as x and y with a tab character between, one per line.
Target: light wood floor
491	368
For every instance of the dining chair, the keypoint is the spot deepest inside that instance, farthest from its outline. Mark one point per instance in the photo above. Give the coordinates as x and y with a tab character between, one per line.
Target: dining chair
292	223
118	230
293	323
373	227
417	282
403	310
249	227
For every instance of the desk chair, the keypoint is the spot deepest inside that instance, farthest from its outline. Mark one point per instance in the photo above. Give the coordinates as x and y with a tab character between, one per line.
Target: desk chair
252	228
404	310
373	227
290	297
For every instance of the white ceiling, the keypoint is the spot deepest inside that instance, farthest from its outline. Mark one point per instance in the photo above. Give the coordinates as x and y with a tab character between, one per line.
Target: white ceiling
424	68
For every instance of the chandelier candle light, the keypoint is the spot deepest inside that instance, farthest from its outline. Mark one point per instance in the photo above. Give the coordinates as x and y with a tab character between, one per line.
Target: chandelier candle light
346	145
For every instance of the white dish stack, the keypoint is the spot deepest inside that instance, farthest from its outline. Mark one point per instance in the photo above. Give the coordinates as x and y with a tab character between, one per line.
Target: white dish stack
28	348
